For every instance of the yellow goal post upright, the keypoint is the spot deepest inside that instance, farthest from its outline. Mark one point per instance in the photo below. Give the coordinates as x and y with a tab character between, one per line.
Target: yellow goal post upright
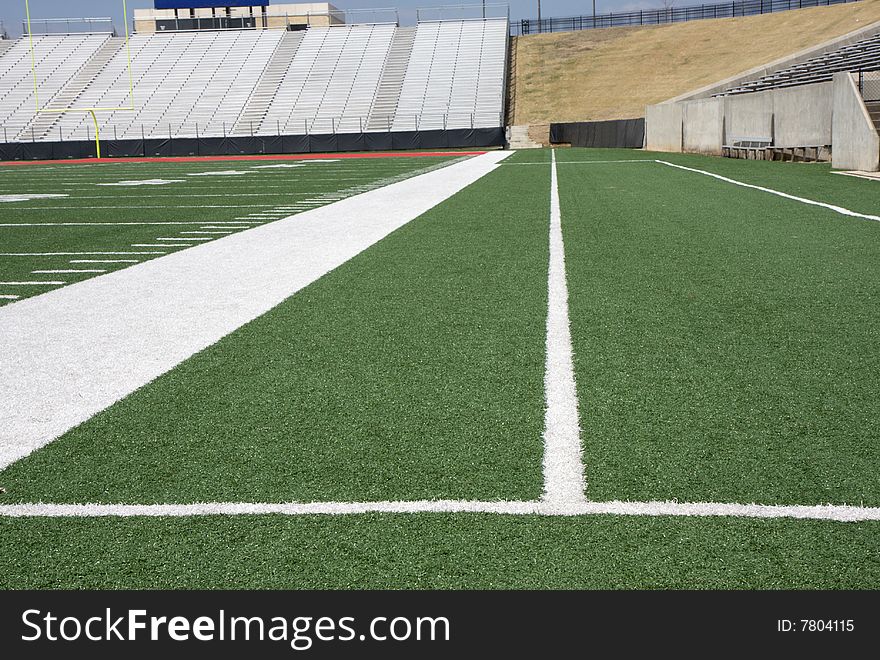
92	111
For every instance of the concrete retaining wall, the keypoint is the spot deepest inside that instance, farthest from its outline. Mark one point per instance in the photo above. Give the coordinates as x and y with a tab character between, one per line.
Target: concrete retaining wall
703	126
802	115
665	122
793	117
856	143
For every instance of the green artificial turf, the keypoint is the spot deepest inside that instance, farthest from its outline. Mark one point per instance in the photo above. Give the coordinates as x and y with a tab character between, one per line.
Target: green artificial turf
725	350
725	339
435	551
413	371
227	198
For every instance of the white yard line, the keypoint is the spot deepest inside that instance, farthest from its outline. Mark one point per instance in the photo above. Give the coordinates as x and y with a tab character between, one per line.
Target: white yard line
72	352
226	231
105	261
803	200
563	463
186	238
70	254
161	245
67	270
44	283
591	162
833	512
7	296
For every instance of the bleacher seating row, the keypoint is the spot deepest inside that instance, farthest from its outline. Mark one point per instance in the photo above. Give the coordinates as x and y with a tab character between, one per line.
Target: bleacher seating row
863	55
341	79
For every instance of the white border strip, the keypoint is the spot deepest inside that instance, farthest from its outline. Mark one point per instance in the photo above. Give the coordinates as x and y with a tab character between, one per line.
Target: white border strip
834	512
563	465
803	200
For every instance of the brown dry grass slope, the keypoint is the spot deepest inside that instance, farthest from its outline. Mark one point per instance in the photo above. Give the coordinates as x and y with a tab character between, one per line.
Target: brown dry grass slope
613	73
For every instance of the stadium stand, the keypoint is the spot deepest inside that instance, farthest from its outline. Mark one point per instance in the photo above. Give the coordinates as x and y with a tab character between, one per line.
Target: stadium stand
58	58
349	78
445	86
863	55
180	80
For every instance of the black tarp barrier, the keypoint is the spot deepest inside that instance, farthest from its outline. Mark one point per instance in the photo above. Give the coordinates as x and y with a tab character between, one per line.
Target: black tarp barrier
247	145
616	133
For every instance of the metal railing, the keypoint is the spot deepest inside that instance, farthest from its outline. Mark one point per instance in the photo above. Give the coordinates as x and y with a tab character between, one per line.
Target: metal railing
310	126
380	16
664	15
869	84
100	25
463	12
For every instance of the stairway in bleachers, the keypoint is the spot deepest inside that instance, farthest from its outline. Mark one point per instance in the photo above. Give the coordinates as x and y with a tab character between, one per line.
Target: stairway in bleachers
251	119
391	81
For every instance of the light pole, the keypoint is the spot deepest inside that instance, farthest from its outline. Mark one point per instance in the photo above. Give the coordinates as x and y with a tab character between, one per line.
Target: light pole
539	16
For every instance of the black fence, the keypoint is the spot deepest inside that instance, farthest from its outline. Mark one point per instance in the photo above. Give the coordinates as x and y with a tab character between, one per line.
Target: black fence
869	85
237	146
664	15
616	133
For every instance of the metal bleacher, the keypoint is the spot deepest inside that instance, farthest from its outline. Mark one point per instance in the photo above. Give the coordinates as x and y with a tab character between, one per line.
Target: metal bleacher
863	55
57	58
446	84
350	78
185	84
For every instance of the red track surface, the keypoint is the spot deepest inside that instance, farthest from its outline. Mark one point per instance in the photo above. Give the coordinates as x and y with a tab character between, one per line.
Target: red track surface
208	159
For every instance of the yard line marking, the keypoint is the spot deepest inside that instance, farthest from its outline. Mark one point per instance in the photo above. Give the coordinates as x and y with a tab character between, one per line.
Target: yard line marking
563	463
804	200
208	232
143	182
71	353
105	261
8	297
49	283
186	238
162	245
591	162
124	207
833	512
26	197
70	254
68	270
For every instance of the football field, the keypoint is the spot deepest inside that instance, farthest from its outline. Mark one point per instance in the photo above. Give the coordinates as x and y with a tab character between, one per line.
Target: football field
546	369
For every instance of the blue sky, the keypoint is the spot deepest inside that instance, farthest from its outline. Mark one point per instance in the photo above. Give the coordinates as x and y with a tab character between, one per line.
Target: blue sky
12	11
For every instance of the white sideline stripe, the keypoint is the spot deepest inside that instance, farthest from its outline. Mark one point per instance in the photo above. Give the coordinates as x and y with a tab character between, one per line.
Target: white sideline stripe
186	238
125	208
833	512
105	261
591	162
208	232
67	270
804	200
162	245
69	254
49	283
8	297
72	352
563	463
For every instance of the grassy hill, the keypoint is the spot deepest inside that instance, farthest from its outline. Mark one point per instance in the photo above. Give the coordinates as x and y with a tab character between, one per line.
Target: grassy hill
613	73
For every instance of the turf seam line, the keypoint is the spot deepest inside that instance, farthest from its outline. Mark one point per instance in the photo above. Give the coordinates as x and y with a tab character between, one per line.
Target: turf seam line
563	463
832	512
804	200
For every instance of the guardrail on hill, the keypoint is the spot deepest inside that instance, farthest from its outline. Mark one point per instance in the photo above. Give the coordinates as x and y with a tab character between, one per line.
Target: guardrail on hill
733	9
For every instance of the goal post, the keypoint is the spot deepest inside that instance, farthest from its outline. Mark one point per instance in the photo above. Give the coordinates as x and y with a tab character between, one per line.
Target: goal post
93	111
